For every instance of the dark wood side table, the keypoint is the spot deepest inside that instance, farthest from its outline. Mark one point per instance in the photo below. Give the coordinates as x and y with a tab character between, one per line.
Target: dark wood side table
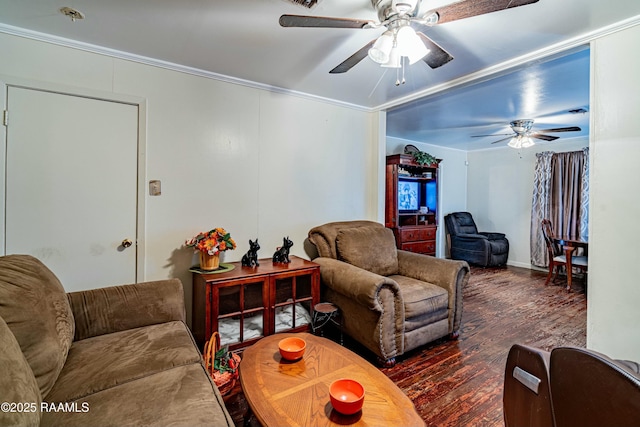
254	302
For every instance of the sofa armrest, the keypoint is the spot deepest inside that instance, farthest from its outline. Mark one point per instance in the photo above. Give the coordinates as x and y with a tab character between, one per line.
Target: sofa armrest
118	308
353	282
470	242
448	274
470	237
491	235
372	305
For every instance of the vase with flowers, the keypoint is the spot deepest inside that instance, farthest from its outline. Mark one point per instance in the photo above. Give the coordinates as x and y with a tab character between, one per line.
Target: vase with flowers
209	244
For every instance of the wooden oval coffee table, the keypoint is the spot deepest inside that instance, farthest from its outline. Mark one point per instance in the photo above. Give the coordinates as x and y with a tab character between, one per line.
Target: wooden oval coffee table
283	393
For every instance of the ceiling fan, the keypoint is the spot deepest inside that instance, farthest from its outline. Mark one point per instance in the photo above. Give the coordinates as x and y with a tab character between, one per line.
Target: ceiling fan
402	18
522	134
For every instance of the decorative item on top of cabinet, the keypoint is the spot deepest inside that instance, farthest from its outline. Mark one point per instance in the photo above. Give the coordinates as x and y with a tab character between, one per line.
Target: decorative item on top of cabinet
250	259
411	202
209	244
281	254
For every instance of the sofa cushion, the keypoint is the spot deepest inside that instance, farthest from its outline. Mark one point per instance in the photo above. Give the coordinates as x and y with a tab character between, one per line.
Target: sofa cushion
111	309
370	248
181	396
17	382
324	236
422	300
105	361
35	307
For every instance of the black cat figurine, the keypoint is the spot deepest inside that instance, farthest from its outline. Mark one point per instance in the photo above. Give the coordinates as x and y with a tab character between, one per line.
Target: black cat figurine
250	259
282	253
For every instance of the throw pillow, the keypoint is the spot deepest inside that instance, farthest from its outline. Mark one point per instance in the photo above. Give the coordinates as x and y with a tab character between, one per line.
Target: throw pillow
370	248
17	383
34	305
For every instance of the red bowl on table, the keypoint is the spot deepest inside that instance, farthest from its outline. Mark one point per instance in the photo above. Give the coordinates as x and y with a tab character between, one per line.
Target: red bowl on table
347	396
292	348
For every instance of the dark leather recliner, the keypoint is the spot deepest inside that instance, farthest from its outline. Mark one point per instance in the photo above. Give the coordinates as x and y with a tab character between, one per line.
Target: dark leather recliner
478	248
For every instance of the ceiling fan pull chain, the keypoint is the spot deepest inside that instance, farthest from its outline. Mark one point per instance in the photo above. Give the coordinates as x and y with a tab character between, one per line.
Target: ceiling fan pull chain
403	61
397	77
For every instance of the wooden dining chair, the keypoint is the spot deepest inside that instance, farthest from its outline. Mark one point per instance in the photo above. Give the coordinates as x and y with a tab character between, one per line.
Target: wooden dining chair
557	258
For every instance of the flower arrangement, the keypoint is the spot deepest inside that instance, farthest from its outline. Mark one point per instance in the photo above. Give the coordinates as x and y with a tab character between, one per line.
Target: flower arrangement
212	242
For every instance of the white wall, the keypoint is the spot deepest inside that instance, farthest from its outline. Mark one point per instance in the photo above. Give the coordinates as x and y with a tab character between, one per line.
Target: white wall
259	164
452	181
500	190
614	288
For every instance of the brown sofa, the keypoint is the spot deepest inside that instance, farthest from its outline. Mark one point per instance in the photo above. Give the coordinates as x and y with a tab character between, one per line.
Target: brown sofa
118	356
392	301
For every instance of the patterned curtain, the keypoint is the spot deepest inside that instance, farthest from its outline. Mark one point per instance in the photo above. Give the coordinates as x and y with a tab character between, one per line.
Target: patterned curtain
561	194
540	207
584	196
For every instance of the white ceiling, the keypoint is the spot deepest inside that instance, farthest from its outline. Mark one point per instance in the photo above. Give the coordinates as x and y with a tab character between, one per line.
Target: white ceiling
242	41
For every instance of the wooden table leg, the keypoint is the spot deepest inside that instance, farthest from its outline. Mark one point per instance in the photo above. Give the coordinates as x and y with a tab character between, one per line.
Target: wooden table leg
568	251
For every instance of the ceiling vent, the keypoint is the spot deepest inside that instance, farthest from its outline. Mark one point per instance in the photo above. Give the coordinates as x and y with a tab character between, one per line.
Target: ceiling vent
72	13
306	3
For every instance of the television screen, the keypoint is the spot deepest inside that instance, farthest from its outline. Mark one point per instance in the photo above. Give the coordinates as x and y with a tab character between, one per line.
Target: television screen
408	196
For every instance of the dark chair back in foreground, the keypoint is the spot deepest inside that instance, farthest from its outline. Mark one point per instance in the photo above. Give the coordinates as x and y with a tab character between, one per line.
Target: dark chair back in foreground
527	396
589	389
569	387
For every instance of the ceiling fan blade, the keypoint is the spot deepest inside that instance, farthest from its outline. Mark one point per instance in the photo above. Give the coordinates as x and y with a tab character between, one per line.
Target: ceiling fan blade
351	61
493	134
321	22
566	129
503	139
544	137
468	8
438	56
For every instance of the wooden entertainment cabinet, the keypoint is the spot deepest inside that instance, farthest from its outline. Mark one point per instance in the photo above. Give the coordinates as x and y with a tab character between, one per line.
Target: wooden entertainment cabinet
415	231
254	300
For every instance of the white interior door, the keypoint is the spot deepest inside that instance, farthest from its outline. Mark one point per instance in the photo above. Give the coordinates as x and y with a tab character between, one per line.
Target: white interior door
71	180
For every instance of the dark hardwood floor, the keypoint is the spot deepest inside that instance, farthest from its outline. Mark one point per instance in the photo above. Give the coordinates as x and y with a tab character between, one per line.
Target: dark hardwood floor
459	383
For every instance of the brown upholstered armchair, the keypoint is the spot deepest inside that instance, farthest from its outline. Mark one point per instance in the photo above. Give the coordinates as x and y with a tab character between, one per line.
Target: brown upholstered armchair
568	387
392	301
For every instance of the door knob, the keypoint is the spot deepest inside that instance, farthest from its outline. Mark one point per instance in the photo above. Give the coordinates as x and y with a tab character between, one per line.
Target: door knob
126	243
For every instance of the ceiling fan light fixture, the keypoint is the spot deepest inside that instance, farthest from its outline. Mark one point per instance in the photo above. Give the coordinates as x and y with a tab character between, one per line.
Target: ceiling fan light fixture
521	141
411	45
395	61
381	49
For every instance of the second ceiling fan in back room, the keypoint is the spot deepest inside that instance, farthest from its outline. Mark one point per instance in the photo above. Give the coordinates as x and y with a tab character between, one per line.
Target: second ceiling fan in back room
522	134
405	22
